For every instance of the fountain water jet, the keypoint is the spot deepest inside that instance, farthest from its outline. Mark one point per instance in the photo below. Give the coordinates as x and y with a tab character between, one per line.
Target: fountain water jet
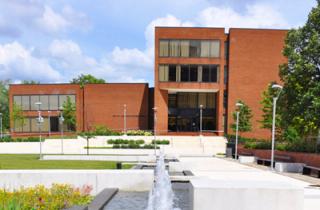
161	196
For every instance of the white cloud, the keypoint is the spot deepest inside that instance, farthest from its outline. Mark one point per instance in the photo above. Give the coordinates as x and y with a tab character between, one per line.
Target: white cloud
256	16
52	21
18	63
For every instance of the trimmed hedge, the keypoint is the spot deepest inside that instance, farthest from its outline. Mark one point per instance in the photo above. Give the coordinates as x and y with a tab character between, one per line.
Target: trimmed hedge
20	139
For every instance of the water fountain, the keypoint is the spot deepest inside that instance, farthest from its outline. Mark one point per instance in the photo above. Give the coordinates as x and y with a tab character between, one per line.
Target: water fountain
161	197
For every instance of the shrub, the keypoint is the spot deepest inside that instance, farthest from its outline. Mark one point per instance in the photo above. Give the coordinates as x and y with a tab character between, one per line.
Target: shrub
166	142
59	196
134	146
110	141
138	133
116	146
124	146
140	141
101	130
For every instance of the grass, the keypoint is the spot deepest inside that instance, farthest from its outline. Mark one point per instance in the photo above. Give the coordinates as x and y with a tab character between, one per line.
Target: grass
13	161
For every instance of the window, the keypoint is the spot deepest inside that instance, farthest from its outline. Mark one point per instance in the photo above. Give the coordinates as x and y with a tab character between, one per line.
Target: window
211	101
25	102
174	48
18	124
183	100
202	100
205	49
33	100
213	73
193	101
172	100
225	98
53	102
184	48
163	73
194	49
215	48
26	125
17	100
44	99
184	73
193	73
205	73
164	48
172	73
34	125
62	100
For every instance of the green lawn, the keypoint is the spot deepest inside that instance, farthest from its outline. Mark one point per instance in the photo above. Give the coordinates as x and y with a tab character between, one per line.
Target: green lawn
32	162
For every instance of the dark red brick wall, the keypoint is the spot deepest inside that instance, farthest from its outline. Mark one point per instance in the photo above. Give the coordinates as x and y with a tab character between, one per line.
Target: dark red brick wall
254	59
103	105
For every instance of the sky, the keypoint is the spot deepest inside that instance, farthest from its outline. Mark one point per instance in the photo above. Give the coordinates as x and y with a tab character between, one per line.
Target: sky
53	41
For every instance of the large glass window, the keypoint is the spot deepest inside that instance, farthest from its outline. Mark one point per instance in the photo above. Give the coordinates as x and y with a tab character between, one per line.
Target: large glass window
184	48
194	50
17	100
53	102
62	100
163	73
189	48
164	48
33	100
174	48
44	99
25	102
26	125
193	73
172	73
34	125
184	73
188	73
172	100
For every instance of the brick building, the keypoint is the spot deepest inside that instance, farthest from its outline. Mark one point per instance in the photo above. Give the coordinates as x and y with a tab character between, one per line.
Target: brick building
194	67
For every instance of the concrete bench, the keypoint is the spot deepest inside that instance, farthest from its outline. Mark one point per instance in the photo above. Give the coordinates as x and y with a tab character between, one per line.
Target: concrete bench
311	171
246	159
289	167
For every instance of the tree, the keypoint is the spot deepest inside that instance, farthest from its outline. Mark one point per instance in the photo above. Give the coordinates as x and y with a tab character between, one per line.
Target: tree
267	109
69	114
87	135
87	79
300	100
17	115
245	115
4	103
30	82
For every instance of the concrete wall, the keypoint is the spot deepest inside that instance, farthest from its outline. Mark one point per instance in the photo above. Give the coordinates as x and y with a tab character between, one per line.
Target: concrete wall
127	180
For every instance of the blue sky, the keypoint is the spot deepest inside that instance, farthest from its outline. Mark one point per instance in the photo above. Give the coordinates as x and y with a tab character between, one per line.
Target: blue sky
54	41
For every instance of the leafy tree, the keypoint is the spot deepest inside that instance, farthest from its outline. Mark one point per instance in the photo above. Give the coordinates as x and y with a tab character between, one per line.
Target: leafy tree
300	100
30	82
87	135
69	114
267	109
17	115
245	115
87	79
4	103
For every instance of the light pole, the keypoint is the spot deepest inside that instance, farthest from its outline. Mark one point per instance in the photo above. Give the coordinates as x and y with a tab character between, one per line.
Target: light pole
1	135
201	107
125	119
40	120
275	86
49	123
154	130
61	120
238	105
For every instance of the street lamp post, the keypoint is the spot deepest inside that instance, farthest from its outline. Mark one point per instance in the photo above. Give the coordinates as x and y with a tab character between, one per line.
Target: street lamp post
61	120
40	120
154	130
275	86
1	134
125	119
49	123
201	109
237	130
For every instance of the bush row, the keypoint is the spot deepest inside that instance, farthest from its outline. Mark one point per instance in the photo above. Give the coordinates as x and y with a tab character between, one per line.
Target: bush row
20	139
101	130
134	146
125	141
